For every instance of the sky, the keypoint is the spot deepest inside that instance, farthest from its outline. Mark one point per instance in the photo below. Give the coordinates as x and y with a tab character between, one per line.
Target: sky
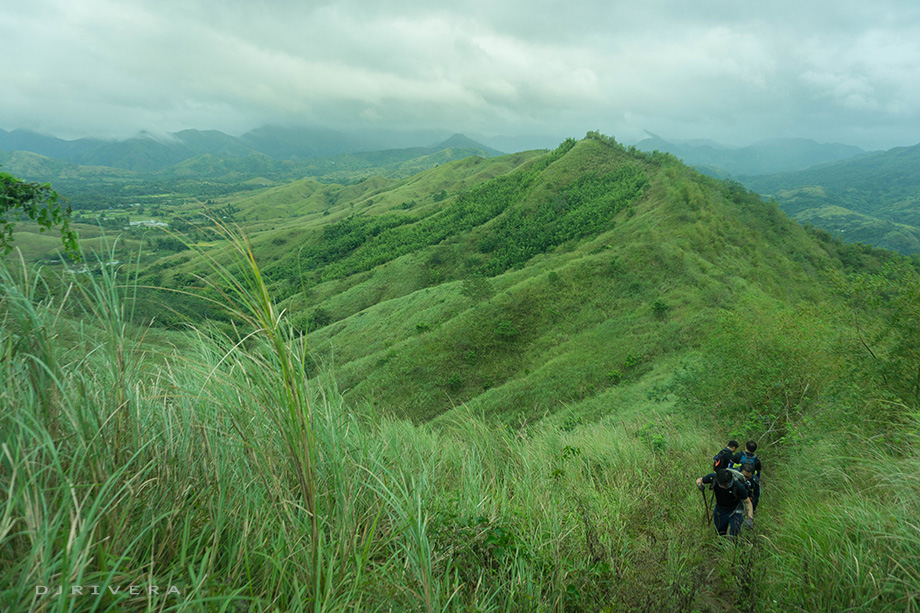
734	71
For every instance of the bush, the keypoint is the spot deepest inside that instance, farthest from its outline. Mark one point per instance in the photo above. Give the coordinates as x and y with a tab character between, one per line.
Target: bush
319	318
763	368
660	309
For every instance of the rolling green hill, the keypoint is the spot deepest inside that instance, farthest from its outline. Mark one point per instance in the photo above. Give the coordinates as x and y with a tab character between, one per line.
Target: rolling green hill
531	283
625	265
871	199
36	167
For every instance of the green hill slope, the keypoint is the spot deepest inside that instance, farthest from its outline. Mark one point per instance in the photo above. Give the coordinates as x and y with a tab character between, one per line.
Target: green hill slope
528	284
578	309
35	167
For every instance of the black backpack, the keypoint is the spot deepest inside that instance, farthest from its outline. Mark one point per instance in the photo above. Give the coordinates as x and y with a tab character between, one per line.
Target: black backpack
721	460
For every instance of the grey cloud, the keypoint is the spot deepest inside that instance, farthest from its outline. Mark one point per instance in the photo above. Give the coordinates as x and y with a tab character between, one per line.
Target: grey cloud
725	69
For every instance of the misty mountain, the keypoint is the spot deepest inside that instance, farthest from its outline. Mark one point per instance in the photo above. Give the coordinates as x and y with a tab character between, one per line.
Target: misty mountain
300	143
460	141
342	168
49	146
764	157
873	199
149	153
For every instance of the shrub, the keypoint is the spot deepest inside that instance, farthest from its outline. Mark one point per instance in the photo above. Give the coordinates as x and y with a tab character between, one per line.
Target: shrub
660	308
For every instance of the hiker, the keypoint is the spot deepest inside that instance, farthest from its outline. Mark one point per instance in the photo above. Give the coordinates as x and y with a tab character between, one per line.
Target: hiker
747	456
753	483
731	497
723	459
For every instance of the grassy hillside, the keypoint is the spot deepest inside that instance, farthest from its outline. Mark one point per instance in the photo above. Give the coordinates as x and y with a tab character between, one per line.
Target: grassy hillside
547	288
502	400
33	166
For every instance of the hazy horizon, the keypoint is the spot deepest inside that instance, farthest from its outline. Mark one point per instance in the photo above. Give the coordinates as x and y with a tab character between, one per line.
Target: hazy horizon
410	138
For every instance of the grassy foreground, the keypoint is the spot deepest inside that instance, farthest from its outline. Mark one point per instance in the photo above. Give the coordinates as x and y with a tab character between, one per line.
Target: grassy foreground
219	477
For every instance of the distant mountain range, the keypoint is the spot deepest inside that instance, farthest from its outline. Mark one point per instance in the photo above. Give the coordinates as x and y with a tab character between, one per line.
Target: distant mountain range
858	196
764	157
873	198
148	153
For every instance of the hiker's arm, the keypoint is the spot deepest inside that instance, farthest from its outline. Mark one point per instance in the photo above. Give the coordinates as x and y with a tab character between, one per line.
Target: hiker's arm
707	479
749	507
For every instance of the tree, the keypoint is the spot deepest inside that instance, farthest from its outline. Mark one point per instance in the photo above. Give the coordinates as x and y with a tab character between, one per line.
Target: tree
40	203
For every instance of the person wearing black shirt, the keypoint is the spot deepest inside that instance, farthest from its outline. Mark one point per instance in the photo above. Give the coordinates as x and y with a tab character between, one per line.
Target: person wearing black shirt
731	496
753	484
723	459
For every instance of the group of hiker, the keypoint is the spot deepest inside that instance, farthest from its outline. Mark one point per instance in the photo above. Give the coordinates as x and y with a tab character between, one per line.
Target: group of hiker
735	483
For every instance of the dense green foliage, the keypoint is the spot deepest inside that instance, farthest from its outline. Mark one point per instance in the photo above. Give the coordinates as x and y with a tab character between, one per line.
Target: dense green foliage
765	369
583	208
39	203
357	244
579	209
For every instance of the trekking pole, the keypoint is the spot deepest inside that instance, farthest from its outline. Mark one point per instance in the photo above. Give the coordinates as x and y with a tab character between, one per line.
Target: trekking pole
708	516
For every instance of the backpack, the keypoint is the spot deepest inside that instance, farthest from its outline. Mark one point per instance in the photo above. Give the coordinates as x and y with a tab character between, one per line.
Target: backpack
738	476
721	460
747	458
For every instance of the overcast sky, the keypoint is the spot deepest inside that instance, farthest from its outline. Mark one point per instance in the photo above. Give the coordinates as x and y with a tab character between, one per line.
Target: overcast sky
732	70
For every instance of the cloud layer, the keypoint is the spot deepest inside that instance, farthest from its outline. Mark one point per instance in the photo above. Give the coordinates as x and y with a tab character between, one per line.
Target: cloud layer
734	71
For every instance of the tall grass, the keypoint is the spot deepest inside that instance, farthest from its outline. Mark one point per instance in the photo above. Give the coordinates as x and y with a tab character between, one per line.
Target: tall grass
850	532
228	474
